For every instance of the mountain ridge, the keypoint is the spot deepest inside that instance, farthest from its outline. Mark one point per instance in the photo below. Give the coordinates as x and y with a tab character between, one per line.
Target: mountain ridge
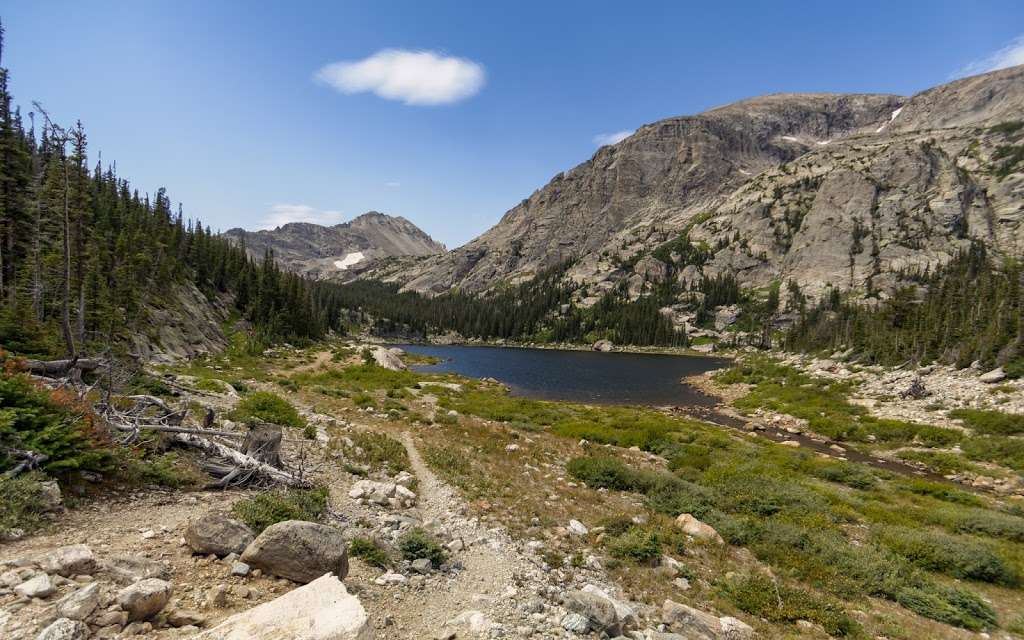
686	173
338	251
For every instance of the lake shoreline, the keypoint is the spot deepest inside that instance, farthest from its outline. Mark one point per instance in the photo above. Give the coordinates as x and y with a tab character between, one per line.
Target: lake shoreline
562	346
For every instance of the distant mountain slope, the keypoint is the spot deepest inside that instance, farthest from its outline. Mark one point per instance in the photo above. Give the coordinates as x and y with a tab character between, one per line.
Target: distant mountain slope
340	251
822	189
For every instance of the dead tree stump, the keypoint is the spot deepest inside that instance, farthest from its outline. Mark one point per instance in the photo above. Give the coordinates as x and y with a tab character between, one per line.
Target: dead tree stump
263	442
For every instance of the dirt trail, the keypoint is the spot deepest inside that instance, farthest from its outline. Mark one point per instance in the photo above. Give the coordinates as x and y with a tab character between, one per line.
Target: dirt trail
491	567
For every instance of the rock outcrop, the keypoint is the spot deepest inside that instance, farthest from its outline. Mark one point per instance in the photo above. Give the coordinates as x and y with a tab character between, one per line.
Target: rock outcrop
827	190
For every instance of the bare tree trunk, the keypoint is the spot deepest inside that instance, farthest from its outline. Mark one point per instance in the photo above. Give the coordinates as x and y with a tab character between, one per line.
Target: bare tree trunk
81	312
66	301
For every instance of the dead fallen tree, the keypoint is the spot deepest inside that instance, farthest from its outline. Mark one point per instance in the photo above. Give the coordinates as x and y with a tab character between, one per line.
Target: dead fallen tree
61	368
258	462
234	467
28	460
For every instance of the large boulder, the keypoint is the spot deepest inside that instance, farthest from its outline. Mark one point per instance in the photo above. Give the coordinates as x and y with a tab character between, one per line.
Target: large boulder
72	560
388	359
599	612
299	551
64	629
145	598
603	345
993	376
218	534
702	625
693	527
625	613
320	610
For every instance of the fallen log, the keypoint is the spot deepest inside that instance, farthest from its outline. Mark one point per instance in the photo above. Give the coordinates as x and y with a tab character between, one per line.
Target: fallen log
29	460
241	462
60	368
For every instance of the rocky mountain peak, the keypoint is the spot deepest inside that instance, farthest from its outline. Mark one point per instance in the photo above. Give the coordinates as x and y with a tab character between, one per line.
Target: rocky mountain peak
342	250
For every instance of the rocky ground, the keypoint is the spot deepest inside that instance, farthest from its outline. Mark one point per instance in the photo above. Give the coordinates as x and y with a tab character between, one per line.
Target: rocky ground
166	564
885	393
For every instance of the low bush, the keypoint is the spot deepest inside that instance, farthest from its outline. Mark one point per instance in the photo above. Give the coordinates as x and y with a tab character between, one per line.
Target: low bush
608	473
50	423
268	407
976	521
378	451
1004	450
636	545
944	491
265	509
956	556
762	596
22	498
370	551
139	467
943	462
417	544
990	422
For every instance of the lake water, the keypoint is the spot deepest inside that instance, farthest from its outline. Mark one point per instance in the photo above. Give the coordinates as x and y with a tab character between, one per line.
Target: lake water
578	376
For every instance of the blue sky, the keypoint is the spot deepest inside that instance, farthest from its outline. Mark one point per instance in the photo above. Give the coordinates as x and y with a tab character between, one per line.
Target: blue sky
229	104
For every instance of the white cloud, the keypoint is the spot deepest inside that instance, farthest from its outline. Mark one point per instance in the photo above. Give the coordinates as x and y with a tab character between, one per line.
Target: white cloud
602	139
1009	56
412	77
280	214
392	185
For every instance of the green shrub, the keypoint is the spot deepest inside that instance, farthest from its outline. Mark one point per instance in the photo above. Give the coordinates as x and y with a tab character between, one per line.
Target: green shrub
369	551
990	422
268	407
1004	450
265	509
976	521
951	605
941	490
852	475
417	544
1016	625
761	596
636	544
956	556
943	462
22	498
50	423
210	385
363	400
1015	369
378	451
608	473
166	470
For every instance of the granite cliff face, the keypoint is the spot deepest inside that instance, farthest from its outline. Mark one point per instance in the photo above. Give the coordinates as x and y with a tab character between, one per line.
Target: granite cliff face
341	251
823	189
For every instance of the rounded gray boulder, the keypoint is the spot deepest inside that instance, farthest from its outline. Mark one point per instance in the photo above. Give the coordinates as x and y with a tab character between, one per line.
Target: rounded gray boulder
299	551
218	534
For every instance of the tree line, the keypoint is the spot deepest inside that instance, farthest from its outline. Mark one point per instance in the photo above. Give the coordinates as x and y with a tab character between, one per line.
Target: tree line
83	255
969	310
